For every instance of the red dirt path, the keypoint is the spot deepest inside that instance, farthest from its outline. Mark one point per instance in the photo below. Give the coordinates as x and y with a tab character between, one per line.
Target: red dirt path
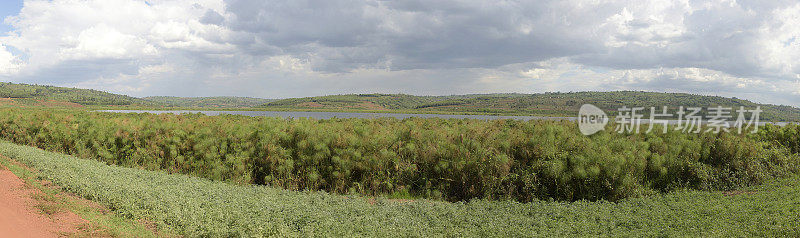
19	217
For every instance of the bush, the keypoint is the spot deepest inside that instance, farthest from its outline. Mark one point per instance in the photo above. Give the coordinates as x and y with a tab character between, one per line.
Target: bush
451	159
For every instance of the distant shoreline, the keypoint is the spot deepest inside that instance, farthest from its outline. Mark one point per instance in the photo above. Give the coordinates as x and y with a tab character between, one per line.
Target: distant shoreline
374	115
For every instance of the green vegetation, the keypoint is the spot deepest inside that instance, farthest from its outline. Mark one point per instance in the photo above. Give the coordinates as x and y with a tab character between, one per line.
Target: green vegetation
52	200
454	160
62	94
785	137
356	101
547	104
27	95
604	184
209	102
196	207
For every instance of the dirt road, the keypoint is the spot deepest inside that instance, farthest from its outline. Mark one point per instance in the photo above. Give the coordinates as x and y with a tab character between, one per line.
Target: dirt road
20	218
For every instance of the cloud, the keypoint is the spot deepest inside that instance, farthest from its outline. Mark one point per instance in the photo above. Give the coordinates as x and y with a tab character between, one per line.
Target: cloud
103	42
302	48
9	64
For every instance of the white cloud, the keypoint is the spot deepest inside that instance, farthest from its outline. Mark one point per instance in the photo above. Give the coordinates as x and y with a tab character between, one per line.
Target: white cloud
9	64
54	32
298	48
779	42
104	42
647	24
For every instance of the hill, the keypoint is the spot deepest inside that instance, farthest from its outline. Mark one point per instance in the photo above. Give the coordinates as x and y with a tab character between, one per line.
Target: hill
41	95
549	104
357	101
216	102
544	104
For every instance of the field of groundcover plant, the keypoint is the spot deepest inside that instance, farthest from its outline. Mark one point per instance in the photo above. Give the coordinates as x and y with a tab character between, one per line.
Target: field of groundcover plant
196	207
438	159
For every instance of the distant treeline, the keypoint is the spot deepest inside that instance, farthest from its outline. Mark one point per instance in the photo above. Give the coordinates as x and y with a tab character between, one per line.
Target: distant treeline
557	104
219	102
100	98
544	104
384	101
449	159
74	95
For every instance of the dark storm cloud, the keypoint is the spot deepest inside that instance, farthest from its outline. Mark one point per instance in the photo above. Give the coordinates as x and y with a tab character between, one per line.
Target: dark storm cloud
409	34
478	34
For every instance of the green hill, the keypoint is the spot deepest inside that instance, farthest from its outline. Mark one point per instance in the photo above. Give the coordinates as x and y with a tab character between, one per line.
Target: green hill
27	94
551	104
544	104
218	102
356	101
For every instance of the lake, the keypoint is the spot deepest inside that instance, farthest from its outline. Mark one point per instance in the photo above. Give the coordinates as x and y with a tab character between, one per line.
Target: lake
329	115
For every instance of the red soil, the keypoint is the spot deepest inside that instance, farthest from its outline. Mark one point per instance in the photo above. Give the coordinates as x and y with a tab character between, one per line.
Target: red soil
310	104
54	103
40	103
370	106
19	217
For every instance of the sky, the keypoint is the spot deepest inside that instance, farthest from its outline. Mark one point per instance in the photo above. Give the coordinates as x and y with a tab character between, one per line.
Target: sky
279	49
9	8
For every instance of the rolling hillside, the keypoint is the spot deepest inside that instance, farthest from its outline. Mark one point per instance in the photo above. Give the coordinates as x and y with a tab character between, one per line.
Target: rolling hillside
545	104
14	94
553	104
357	101
213	102
40	95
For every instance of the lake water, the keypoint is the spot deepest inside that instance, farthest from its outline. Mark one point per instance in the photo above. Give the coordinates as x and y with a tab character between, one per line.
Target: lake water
329	115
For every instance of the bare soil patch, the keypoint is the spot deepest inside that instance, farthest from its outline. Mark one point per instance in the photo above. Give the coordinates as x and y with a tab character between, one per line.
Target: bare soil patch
23	216
310	104
54	103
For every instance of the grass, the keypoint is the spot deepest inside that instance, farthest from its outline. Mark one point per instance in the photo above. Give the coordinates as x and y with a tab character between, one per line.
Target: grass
52	200
197	207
